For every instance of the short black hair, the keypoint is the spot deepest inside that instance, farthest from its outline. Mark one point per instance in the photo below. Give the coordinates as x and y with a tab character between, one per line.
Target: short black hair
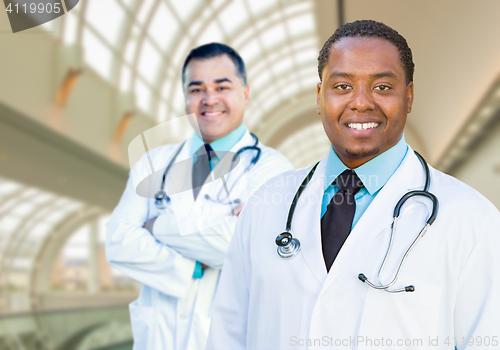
214	50
368	28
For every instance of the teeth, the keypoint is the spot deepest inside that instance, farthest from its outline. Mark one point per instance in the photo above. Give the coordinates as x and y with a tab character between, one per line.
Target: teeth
212	113
362	126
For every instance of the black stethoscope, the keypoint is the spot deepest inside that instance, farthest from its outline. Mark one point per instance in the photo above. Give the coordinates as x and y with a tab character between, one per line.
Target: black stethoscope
162	199
288	246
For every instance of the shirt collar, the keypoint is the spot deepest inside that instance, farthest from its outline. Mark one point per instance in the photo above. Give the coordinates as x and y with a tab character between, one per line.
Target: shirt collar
223	144
375	173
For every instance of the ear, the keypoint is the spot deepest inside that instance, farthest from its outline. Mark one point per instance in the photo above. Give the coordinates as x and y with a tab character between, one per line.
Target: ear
247	96
409	96
318	98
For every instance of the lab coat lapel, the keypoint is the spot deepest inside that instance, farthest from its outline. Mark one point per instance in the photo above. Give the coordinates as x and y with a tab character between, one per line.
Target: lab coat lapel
379	214
306	221
184	201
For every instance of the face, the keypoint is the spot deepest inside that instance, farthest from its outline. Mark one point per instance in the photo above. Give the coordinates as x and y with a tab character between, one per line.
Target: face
363	99
216	94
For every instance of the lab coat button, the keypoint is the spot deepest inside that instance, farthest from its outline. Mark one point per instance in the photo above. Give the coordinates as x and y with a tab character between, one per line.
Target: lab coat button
183	317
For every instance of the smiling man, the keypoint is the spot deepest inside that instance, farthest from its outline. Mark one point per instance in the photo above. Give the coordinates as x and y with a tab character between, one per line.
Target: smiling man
180	273
338	273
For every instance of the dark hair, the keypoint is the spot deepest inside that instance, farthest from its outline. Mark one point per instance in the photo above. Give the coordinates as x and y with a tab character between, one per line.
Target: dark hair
368	28
214	50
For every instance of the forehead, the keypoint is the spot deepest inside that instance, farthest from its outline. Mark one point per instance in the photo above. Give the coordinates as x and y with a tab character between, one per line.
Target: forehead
364	55
209	69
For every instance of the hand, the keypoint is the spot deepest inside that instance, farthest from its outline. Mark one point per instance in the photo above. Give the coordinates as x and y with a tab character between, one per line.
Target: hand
238	209
148	225
204	266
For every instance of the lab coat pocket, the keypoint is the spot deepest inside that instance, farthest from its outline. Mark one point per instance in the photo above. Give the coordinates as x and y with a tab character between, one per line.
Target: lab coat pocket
143	321
407	319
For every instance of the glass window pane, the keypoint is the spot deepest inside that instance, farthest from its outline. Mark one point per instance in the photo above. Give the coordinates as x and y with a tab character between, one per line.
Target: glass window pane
273	36
283	66
149	62
97	55
163	27
130	50
143	96
250	51
70	28
301	24
179	103
23	209
233	16
107	18
298	7
306	56
125	77
180	53
258	6
162	113
8	187
144	10
210	34
184	8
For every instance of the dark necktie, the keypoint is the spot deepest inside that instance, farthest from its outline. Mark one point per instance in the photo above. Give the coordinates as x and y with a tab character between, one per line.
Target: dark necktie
201	167
337	221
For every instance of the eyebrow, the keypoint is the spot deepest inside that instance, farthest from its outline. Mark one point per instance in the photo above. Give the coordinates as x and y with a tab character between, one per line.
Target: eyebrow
195	82
340	75
216	81
222	80
386	74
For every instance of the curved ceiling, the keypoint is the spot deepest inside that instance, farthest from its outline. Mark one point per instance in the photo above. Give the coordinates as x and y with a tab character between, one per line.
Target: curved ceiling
138	46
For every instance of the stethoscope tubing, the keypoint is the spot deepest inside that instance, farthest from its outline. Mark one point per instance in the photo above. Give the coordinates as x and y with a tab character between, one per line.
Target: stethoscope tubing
289	246
162	198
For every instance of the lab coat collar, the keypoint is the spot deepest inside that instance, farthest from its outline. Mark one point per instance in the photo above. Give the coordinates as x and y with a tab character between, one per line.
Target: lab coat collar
211	187
378	216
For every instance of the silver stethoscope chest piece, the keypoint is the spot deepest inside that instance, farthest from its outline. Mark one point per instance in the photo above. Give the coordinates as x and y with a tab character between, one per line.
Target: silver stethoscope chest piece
288	246
161	200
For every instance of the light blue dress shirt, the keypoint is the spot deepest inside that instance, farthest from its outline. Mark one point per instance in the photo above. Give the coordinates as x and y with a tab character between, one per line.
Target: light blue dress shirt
223	144
374	174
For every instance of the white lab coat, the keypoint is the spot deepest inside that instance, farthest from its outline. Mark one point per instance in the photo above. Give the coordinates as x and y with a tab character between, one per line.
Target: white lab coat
173	309
267	302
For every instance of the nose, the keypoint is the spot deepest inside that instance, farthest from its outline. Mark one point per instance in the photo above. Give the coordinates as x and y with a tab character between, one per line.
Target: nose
210	98
361	100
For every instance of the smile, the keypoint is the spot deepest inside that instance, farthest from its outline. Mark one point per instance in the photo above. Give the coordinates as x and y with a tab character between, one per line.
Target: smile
362	126
212	113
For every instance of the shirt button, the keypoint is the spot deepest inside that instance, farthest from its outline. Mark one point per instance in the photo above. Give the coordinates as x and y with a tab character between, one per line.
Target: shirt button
183	317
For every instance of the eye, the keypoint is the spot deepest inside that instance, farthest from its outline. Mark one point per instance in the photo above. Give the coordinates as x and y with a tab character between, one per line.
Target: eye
343	87
221	88
194	91
382	87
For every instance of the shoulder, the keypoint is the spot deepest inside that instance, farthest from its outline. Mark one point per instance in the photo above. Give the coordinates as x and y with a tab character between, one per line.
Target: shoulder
285	182
458	194
270	155
157	157
464	208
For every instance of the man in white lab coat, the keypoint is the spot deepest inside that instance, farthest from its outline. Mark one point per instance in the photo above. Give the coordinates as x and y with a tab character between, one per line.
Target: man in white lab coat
179	272
318	298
